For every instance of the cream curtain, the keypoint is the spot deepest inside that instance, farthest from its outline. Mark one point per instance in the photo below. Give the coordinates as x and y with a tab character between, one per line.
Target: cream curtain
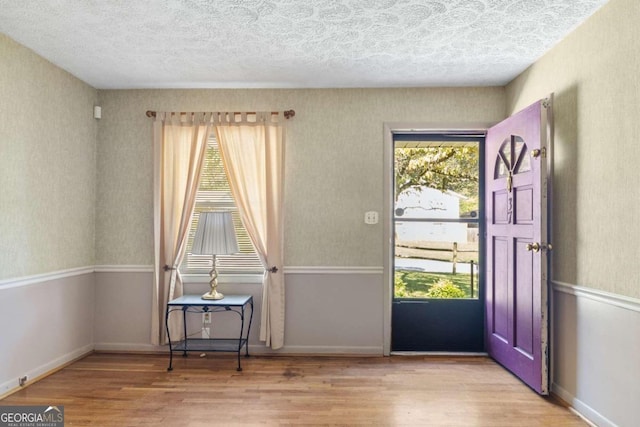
253	155
179	144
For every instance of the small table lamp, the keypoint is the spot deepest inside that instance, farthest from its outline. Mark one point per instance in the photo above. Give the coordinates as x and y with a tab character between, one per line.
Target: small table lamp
215	235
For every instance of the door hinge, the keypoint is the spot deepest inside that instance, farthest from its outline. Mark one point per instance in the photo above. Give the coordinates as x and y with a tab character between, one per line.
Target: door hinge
546	103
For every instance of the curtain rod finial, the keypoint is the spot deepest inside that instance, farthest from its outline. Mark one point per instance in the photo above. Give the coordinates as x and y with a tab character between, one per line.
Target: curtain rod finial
289	113
151	113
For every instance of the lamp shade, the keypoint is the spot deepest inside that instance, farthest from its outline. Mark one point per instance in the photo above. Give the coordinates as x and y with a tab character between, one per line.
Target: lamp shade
215	234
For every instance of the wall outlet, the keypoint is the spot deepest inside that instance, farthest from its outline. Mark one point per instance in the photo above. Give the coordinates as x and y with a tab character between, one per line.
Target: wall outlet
206	318
22	380
371	217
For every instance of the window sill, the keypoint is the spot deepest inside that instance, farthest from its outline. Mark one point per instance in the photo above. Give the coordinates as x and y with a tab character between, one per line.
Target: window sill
223	278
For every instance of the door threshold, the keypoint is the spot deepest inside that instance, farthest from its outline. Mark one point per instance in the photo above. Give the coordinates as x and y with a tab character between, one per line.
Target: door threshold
438	353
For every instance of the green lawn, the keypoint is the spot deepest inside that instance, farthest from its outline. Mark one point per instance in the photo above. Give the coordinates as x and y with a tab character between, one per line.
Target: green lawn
415	284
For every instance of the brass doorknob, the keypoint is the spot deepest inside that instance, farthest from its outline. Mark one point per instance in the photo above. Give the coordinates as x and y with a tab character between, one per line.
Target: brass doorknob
539	152
535	247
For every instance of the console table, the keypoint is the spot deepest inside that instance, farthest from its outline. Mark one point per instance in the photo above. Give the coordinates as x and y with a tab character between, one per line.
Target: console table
195	304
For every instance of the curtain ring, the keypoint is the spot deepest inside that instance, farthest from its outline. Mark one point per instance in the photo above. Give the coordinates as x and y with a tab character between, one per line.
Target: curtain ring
273	269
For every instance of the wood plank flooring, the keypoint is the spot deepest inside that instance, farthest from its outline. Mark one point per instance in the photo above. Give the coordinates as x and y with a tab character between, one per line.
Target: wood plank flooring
136	390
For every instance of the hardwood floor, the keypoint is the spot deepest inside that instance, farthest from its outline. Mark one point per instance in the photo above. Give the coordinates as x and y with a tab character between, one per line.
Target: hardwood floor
136	390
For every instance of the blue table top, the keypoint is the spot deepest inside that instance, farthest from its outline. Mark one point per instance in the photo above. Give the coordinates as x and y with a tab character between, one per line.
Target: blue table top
228	300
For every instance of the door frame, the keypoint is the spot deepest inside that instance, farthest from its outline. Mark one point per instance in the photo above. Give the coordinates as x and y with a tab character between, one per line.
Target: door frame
389	129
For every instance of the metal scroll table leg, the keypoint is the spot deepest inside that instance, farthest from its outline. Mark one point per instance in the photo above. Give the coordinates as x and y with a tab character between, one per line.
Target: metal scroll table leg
240	340
166	322
184	324
246	349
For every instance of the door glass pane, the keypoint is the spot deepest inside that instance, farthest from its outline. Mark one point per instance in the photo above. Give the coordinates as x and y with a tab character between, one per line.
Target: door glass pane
503	160
436	220
502	170
524	161
505	151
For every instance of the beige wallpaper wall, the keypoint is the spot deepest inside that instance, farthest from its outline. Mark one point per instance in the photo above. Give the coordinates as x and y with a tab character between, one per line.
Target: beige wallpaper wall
47	165
595	75
334	166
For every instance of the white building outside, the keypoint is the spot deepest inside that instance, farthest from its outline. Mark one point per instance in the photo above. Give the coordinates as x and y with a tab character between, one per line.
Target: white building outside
432	204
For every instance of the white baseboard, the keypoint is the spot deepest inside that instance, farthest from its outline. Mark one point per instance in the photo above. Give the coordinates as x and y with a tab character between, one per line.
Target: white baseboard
131	348
583	410
256	349
33	374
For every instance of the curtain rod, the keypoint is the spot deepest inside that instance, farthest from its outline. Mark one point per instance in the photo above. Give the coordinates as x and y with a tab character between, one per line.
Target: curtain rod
287	114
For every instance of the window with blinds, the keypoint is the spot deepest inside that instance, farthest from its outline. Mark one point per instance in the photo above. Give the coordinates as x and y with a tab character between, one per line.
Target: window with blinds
214	194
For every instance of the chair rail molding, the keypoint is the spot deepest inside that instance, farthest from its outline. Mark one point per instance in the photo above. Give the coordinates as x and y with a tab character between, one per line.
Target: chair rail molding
332	270
123	268
17	282
621	301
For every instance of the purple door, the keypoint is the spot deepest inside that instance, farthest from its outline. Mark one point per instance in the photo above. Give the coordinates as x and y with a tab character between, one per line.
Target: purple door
518	156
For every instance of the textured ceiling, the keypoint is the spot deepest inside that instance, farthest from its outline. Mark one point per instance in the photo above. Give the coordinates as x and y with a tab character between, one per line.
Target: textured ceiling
292	43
